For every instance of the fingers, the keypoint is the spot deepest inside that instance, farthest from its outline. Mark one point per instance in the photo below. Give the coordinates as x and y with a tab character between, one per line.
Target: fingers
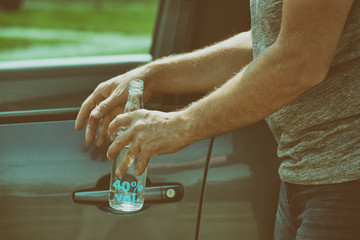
104	108
121	120
95	114
142	164
124	139
94	119
119	143
103	130
130	156
84	112
102	135
99	104
91	130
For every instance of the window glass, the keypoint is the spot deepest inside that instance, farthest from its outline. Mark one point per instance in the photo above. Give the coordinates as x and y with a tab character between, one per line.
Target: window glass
53	53
38	29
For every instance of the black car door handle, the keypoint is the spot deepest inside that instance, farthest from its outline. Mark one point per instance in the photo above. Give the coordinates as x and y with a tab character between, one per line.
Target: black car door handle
158	194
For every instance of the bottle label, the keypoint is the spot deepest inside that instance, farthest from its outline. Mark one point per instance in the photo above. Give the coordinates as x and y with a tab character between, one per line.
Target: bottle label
128	191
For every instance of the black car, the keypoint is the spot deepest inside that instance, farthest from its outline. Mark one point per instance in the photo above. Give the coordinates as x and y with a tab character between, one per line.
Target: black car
54	186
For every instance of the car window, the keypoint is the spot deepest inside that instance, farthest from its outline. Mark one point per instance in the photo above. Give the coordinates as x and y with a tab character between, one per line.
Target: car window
53	53
37	29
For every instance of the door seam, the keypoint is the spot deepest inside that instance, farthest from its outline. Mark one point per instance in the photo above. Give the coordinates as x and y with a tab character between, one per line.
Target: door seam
203	186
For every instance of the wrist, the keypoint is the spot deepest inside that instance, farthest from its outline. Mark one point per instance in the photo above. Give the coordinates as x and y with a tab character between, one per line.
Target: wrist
148	74
144	73
151	73
186	126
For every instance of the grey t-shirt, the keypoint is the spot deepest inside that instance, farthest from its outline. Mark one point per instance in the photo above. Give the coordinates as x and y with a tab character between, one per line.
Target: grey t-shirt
319	132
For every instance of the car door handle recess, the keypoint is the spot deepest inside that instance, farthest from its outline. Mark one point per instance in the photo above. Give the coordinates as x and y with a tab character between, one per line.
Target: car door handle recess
158	194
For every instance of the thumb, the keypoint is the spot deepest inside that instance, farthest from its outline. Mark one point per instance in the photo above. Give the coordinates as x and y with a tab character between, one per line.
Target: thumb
104	108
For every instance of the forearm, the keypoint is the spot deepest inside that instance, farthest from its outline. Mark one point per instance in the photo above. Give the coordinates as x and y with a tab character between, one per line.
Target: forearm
201	70
299	59
270	82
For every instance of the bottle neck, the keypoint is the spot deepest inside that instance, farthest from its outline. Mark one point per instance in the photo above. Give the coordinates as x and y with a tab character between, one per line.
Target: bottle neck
134	101
134	97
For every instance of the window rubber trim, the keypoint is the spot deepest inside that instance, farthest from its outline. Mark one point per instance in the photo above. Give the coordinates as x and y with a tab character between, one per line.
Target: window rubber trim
45	115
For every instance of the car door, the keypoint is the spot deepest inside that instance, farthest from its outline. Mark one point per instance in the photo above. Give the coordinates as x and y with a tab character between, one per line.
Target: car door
53	185
242	186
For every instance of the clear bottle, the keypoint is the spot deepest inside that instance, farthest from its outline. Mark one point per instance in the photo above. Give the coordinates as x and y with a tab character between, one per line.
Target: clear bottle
127	193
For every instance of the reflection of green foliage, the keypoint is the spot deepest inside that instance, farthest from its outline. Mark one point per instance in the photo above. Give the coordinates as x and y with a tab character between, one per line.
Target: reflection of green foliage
127	18
13	42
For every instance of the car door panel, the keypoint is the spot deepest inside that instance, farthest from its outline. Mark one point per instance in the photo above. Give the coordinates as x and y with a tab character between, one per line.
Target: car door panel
43	163
44	160
242	186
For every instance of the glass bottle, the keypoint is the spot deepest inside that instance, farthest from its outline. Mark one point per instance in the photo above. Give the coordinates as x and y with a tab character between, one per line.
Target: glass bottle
127	193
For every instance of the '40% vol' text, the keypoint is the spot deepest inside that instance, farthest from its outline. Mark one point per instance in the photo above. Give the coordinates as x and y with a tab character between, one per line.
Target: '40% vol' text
129	189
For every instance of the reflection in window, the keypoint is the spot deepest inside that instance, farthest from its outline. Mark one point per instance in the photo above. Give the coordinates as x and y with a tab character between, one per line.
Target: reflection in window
35	29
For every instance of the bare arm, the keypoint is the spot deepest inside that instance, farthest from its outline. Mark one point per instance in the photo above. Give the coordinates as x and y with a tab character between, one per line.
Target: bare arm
198	71
298	60
201	70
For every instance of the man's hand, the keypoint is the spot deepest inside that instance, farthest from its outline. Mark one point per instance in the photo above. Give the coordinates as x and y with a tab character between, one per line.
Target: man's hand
104	104
151	133
184	73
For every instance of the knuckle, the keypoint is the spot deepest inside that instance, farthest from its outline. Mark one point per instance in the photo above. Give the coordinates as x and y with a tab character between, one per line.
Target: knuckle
140	139
113	123
139	125
112	128
146	113
84	104
117	118
130	114
100	86
128	153
140	166
136	127
118	141
104	105
141	111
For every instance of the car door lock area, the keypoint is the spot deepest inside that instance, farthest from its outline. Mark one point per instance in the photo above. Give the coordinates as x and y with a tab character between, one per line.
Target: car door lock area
154	194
